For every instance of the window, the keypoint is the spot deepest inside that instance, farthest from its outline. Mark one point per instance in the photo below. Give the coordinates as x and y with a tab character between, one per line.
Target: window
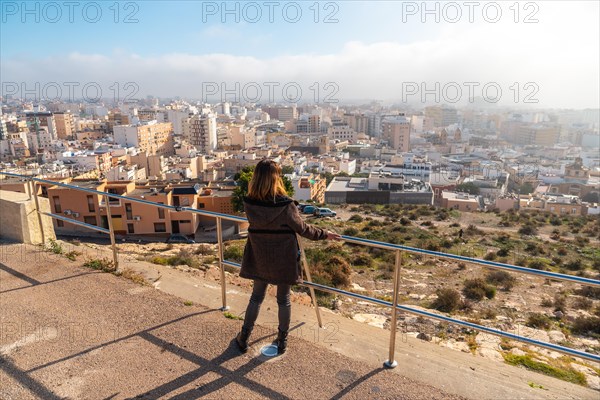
128	211
574	211
130	228
185	221
160	227
91	219
161	212
56	200
176	201
90	201
200	205
60	223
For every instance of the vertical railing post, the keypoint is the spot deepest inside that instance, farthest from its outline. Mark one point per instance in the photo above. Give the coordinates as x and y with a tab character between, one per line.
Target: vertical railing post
38	212
112	232
309	279
391	363
30	186
222	265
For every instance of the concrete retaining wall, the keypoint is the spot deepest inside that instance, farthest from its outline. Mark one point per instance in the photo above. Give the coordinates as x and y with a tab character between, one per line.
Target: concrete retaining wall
19	221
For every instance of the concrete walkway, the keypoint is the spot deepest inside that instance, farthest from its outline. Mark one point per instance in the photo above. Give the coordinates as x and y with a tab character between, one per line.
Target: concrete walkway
69	332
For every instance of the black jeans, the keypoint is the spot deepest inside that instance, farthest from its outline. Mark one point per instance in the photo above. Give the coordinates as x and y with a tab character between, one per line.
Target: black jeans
258	295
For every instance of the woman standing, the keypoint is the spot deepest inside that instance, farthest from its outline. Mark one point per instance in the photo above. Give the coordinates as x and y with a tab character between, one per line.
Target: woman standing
271	255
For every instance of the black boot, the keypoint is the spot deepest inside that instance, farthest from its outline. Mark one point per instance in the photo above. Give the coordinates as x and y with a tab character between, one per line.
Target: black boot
242	339
282	341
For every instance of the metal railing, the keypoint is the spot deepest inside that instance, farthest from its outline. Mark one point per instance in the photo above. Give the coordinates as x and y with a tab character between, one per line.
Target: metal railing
398	249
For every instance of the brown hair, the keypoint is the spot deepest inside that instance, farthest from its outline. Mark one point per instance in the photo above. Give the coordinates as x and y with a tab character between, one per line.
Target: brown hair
266	182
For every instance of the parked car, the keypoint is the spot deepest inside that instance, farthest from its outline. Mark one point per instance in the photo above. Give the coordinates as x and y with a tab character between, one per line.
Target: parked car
179	238
301	207
309	210
325	212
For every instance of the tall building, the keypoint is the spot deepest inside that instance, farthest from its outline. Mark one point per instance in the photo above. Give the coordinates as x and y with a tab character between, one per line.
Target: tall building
64	124
341	131
201	131
396	130
441	116
314	123
153	137
282	113
179	119
116	119
38	119
538	134
358	122
3	130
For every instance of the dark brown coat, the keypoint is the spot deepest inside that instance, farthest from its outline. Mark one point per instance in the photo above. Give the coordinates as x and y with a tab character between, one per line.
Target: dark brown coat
271	252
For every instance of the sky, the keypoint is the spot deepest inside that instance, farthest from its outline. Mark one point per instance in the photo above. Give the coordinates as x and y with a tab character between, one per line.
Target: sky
525	54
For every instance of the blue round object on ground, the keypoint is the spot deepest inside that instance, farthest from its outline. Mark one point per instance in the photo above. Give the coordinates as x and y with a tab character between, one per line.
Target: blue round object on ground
269	351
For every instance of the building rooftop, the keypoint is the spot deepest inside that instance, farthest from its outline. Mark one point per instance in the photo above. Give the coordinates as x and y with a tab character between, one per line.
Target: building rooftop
459	196
186	190
142	191
91	184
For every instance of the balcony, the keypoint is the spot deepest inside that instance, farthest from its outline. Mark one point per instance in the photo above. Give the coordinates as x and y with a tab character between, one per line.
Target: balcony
112	203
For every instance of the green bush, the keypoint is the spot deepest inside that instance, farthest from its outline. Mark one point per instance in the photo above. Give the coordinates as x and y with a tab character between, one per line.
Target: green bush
204	250
566	374
476	289
582	303
547	302
448	300
586	325
362	259
574	265
560	303
54	247
404	221
501	278
72	255
352	231
183	258
334	271
538	321
589	291
503	252
537	264
528	230
355	218
102	264
233	253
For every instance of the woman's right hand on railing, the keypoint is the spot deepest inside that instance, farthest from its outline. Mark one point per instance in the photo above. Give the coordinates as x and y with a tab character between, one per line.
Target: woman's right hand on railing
333	236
